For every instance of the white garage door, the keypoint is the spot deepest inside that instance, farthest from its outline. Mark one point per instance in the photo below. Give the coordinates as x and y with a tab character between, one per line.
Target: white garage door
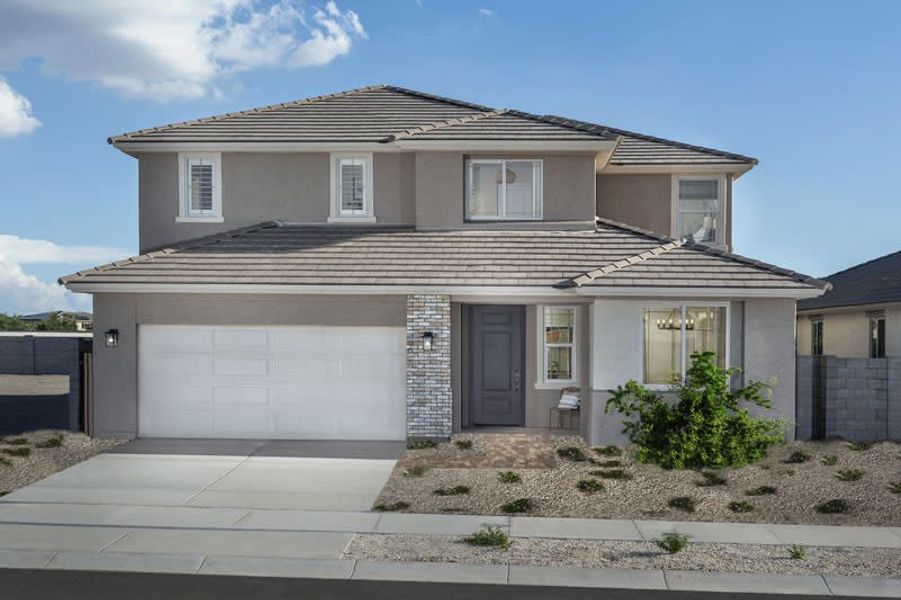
272	382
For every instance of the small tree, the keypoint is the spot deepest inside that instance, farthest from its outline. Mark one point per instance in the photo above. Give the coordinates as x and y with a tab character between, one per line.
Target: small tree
12	323
57	322
705	427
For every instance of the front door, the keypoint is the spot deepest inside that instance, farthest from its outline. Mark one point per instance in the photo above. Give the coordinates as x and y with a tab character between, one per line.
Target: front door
497	395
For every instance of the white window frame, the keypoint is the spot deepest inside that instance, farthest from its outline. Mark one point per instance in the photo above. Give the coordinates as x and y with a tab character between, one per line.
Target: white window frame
335	214
682	305
185	214
676	212
502	201
543	381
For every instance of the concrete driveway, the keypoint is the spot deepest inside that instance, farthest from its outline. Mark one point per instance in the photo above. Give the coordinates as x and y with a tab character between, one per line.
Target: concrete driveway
232	474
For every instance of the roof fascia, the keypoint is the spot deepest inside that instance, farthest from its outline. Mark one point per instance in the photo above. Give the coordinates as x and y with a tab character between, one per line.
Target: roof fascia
734	169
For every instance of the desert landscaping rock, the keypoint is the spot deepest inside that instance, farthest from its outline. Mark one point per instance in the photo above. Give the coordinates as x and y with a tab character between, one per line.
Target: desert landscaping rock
799	487
729	558
43	462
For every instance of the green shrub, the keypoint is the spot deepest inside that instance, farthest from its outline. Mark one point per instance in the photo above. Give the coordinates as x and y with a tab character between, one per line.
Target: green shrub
612	474
830	460
54	442
392	506
705	427
520	505
605	463
895	487
740	506
509	477
850	475
672	542
457	490
836	506
416	471
17	441
572	453
711	479
463	444
493	537
859	446
683	503
797	552
763	490
17	451
590	486
421	444
610	450
797	457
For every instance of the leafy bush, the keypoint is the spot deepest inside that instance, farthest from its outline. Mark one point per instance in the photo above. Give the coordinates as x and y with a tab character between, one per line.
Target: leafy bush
850	474
17	451
463	444
612	474
509	477
836	506
13	323
392	506
711	479
415	471
797	552
54	442
493	537
16	441
705	427
572	453
590	486
797	457
421	444
605	463
672	542
683	503
457	490
763	490
740	506
520	505
610	450
830	460
57	322
859	446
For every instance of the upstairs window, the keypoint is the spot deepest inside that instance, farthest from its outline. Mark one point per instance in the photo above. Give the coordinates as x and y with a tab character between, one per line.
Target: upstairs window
498	189
351	188
877	336
200	193
816	337
698	209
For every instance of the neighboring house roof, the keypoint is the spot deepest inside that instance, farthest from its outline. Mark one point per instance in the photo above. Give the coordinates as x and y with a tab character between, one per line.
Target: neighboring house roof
79	316
640	149
378	114
874	282
283	254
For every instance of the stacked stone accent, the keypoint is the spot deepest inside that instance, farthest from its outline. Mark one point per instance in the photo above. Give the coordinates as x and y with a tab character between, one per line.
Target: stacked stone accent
852	398
429	397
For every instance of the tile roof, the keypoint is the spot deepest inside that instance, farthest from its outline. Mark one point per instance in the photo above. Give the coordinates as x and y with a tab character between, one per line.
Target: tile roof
874	282
378	114
281	254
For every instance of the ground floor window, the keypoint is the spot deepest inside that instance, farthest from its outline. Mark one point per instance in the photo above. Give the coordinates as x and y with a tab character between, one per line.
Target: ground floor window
877	337
672	335
558	327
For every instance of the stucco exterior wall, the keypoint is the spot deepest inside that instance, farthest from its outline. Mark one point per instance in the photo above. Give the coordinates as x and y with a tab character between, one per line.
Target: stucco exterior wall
846	332
116	369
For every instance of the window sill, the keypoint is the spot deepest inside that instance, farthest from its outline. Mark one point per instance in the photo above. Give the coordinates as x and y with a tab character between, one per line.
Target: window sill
351	220
199	219
556	385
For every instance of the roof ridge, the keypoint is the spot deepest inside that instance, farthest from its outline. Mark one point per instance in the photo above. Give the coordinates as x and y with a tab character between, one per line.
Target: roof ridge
413	131
863	264
589	276
258	109
652	138
445	99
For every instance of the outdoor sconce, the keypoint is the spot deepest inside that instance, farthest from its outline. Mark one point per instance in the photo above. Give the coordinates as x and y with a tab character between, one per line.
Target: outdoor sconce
427	338
111	338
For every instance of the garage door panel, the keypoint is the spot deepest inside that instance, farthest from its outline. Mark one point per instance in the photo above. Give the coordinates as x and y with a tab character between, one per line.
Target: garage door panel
273	382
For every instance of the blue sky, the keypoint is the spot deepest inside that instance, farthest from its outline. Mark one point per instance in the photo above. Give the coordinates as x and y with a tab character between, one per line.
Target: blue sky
812	89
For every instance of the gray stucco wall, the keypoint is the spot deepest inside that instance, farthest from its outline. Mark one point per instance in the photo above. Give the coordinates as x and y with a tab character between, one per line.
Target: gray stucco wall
116	369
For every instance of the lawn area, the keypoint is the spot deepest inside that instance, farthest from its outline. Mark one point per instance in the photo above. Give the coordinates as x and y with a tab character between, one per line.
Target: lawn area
29	457
832	483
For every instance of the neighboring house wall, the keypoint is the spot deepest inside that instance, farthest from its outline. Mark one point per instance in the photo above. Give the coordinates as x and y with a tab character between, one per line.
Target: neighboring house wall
846	331
116	369
761	340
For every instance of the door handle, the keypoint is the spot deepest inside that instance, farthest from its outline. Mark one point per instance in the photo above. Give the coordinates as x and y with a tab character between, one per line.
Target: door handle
516	380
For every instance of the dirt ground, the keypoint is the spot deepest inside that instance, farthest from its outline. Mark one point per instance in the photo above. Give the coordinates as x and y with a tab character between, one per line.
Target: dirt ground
799	487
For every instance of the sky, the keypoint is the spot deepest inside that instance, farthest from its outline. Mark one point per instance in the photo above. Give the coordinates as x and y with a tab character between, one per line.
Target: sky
810	88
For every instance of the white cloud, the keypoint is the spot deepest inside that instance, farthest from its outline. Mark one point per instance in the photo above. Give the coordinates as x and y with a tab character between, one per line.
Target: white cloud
21	292
487	12
15	112
172	49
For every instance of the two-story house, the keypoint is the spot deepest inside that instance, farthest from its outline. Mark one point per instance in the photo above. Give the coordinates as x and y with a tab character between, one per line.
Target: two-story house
383	263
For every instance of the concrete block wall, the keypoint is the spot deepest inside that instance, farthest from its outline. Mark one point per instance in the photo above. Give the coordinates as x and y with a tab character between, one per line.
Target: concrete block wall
852	398
429	394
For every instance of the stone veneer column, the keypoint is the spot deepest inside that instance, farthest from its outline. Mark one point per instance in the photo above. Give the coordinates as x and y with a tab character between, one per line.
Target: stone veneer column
429	398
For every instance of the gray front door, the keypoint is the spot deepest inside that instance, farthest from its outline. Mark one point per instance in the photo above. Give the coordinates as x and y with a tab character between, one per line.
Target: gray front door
496	373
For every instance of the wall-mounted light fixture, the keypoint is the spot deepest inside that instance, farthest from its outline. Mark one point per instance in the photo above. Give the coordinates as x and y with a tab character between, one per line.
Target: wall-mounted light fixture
427	339
111	338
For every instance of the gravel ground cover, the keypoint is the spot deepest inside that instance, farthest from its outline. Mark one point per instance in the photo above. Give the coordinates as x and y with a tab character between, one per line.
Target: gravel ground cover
798	476
29	457
731	558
